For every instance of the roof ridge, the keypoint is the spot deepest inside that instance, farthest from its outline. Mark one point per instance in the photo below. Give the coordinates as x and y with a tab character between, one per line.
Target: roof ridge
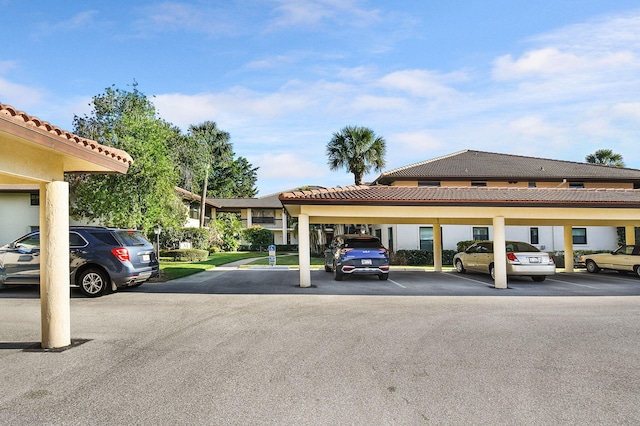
419	163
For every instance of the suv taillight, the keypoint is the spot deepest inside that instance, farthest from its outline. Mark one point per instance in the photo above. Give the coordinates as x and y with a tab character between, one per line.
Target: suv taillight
121	253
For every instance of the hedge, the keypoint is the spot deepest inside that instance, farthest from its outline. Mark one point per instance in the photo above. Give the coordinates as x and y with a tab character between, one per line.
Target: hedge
186	255
420	257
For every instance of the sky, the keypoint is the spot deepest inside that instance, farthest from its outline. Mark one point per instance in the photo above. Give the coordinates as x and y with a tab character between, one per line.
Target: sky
552	78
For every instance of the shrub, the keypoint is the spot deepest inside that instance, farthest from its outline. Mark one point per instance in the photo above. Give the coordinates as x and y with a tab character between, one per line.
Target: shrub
419	257
258	236
186	255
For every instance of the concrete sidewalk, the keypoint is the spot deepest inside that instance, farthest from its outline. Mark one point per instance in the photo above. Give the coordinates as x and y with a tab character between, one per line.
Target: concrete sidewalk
167	358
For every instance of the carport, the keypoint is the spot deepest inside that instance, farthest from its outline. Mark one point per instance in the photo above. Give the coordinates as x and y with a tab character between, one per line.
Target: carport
33	151
488	206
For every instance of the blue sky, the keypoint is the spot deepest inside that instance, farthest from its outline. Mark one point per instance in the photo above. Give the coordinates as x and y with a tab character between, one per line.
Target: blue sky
551	78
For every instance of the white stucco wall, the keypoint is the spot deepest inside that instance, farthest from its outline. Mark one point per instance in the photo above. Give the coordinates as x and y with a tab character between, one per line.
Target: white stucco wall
407	237
17	216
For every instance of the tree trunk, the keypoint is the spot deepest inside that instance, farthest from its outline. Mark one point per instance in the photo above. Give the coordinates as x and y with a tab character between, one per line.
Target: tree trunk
203	197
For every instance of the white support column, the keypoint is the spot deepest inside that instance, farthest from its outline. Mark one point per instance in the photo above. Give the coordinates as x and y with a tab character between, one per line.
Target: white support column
249	218
499	253
54	265
304	257
284	226
437	247
630	235
568	248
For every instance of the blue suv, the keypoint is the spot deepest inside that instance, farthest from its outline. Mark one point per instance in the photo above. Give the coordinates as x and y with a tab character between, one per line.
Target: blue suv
101	259
356	254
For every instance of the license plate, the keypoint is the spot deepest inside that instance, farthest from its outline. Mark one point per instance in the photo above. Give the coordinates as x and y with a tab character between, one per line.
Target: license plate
534	260
146	258
366	261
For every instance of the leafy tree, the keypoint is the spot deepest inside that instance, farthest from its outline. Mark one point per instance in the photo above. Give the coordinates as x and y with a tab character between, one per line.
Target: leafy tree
226	231
235	178
357	149
145	196
212	146
606	157
258	235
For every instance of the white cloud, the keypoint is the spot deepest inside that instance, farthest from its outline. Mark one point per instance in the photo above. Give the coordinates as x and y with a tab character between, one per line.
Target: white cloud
311	13
288	165
21	96
420	83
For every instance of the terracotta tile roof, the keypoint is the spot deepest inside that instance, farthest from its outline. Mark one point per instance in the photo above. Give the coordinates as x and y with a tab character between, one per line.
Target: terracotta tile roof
479	165
269	201
490	196
25	120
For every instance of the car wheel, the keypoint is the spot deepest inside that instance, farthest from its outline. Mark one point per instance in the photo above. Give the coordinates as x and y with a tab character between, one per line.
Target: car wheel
337	273
636	269
460	266
539	278
93	282
592	267
327	268
492	272
383	277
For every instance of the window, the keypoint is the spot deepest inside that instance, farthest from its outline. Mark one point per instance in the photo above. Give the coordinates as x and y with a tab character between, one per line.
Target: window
534	235
576	184
35	199
579	235
532	185
426	238
480	233
429	183
478	183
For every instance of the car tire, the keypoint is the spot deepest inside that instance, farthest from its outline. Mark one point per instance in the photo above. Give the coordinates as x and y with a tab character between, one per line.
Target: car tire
492	272
93	282
539	278
592	267
460	267
327	268
636	269
337	273
383	277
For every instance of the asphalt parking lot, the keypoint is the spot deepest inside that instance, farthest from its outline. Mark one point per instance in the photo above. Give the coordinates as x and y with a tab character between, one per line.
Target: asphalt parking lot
249	346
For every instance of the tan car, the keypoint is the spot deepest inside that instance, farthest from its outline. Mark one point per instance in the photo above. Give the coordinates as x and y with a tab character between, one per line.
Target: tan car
625	259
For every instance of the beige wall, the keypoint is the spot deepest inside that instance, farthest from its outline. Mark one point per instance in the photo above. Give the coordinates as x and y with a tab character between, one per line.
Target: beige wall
18	216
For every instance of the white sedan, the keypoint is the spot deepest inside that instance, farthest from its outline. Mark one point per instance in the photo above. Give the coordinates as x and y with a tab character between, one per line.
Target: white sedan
522	259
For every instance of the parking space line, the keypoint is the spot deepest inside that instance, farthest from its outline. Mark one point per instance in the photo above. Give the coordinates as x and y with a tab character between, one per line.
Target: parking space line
398	284
471	279
569	282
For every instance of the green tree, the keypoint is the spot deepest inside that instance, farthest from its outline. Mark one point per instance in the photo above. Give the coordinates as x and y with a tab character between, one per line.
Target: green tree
212	146
145	196
256	235
235	178
357	149
606	157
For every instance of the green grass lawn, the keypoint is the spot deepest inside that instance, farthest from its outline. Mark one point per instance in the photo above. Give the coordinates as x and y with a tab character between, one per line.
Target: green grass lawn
287	260
172	270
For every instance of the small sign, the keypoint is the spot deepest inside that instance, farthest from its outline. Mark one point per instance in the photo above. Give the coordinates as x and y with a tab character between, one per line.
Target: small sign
272	255
272	261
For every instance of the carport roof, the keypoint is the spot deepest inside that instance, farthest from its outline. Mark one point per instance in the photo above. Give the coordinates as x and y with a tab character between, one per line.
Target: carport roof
470	164
466	196
89	154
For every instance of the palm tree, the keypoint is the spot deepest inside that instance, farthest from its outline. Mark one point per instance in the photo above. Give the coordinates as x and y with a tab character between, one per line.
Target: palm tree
213	145
606	157
357	149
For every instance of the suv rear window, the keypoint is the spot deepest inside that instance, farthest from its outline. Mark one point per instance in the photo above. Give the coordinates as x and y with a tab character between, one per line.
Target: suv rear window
105	237
132	238
362	242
